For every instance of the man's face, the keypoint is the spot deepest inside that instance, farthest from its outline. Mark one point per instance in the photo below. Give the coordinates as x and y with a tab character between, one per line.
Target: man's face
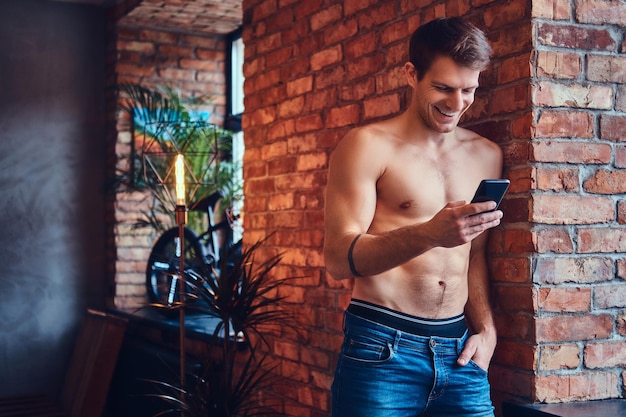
444	93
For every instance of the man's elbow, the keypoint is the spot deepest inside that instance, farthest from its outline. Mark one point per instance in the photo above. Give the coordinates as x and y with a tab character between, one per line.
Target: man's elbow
334	266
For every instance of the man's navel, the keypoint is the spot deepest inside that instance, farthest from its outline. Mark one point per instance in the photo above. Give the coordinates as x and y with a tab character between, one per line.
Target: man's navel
405	205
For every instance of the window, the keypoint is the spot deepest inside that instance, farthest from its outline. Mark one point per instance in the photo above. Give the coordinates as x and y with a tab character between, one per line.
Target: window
234	82
235	107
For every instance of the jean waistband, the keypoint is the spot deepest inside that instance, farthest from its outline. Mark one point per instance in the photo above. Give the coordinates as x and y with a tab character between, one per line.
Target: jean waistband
452	327
354	324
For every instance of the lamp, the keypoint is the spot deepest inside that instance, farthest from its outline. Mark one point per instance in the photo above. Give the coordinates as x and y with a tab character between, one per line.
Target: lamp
178	156
181	221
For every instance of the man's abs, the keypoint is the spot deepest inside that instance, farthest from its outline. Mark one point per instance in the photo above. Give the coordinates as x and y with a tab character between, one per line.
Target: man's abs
433	285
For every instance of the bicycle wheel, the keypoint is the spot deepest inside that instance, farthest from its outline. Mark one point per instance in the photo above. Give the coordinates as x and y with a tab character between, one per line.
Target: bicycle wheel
163	265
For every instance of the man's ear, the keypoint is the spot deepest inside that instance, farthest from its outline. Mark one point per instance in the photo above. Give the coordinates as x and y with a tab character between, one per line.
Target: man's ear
411	73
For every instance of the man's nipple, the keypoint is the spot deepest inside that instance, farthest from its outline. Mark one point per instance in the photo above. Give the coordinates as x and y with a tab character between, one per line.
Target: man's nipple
406	205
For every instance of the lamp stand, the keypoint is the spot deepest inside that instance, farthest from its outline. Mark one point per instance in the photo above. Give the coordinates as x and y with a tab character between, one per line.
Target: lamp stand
181	220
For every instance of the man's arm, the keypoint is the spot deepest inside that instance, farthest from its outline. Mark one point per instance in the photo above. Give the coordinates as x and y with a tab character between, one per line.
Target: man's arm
481	345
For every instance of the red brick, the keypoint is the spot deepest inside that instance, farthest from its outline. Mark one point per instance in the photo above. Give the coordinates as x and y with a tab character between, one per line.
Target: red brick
612	127
571	152
263	9
311	122
575	37
394	33
519	241
573	328
621	324
601	12
576	387
330	77
605	355
324	17
556	65
510	98
279	56
568	124
515	68
511	40
308	162
559	270
291	107
554	239
557	179
511	380
566	299
341	31
361	45
551	9
300	86
510	269
504	14
550	94
360	89
610	296
321	100
326	57
515	354
606	182
605	68
515	298
601	240
572	209
562	356
381	106
136	46
517	326
343	116
353	6
621	212
364	66
620	104
620	156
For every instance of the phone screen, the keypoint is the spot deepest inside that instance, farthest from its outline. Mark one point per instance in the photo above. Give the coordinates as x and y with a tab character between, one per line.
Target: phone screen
491	190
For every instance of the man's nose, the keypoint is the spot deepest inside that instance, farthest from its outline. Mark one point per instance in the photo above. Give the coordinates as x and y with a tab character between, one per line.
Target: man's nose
455	101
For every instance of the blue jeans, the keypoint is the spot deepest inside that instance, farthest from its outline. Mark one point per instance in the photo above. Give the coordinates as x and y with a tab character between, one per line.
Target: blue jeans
383	372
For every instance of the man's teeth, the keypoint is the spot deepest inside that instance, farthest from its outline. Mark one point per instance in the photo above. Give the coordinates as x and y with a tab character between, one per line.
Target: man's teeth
444	113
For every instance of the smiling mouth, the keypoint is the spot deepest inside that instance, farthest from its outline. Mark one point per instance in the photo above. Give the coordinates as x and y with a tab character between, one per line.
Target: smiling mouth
445	113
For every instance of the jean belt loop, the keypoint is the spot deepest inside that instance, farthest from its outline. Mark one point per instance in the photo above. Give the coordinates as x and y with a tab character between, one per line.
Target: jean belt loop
460	342
343	322
396	340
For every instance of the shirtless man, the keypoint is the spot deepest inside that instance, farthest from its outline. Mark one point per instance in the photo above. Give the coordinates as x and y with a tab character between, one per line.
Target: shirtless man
419	332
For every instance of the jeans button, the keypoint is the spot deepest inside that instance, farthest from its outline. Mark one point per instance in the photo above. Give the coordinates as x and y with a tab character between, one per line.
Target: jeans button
432	343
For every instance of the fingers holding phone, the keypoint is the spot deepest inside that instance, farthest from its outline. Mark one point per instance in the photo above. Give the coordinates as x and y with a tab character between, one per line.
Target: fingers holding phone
491	190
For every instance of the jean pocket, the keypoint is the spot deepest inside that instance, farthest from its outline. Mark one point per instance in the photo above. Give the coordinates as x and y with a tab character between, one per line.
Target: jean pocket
367	349
477	366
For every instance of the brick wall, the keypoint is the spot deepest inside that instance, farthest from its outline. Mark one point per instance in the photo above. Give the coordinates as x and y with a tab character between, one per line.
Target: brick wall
561	292
193	64
554	100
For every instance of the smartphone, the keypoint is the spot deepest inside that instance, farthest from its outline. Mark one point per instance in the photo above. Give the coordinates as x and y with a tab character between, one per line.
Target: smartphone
491	190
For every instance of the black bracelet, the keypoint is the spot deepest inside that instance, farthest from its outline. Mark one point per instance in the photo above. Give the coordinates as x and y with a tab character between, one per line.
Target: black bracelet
350	260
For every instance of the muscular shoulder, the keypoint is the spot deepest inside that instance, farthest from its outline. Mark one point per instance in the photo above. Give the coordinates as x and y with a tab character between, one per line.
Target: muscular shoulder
483	148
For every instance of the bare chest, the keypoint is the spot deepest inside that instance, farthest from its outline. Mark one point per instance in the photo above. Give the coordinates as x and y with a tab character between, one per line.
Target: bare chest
416	186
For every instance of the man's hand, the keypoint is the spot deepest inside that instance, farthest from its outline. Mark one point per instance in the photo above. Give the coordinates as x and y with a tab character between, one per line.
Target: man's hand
479	347
458	222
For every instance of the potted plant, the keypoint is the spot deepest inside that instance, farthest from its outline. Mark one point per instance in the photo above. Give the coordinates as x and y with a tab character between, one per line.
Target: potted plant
244	297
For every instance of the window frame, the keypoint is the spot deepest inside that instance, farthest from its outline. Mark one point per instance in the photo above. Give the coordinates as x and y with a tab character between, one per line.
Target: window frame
231	121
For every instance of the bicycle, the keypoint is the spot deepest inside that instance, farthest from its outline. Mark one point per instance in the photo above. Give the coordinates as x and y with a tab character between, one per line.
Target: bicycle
163	271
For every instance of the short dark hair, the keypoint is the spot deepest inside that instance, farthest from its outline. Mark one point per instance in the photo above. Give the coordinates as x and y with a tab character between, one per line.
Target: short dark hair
452	37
